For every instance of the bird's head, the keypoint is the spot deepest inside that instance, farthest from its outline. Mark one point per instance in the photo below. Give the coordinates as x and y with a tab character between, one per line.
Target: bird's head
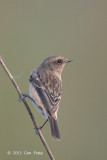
55	64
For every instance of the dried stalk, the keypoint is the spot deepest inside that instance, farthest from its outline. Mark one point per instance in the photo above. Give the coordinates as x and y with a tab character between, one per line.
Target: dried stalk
28	109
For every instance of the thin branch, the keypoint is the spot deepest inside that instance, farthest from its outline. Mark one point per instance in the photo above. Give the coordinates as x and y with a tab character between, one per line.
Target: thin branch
28	109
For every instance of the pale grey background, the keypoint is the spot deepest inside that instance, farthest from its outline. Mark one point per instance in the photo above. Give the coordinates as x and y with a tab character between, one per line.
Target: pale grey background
30	31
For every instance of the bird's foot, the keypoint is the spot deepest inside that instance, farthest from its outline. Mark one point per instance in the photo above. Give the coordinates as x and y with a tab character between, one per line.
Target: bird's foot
24	95
36	131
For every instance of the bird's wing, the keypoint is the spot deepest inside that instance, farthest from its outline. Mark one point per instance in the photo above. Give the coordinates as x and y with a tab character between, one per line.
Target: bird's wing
49	91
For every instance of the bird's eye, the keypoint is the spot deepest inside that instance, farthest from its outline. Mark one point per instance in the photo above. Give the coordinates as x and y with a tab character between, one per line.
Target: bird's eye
59	61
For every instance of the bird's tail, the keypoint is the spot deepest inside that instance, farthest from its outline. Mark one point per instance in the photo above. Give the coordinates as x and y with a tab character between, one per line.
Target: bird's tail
54	128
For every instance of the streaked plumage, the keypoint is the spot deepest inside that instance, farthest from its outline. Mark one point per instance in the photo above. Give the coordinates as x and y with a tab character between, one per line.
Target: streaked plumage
46	89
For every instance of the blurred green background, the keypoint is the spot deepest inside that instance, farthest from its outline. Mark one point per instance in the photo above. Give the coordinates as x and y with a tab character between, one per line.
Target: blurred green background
30	31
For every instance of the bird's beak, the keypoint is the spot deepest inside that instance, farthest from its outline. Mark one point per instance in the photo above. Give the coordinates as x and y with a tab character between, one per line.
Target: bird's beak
69	60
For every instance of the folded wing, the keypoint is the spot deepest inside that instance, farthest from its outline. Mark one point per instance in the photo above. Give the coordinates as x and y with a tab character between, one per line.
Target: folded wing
49	90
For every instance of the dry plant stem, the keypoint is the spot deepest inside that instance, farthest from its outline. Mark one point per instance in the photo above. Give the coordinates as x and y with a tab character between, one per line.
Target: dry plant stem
28	109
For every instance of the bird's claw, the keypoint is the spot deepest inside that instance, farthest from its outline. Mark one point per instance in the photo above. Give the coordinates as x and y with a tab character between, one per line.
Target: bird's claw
36	131
22	97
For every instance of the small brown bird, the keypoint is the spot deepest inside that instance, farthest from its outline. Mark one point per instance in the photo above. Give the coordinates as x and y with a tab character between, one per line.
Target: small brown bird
46	89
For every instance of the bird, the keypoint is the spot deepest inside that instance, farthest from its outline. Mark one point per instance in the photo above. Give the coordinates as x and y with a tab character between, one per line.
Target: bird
45	88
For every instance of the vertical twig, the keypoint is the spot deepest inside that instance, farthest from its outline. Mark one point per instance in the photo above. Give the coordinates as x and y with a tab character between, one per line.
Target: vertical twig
28	109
